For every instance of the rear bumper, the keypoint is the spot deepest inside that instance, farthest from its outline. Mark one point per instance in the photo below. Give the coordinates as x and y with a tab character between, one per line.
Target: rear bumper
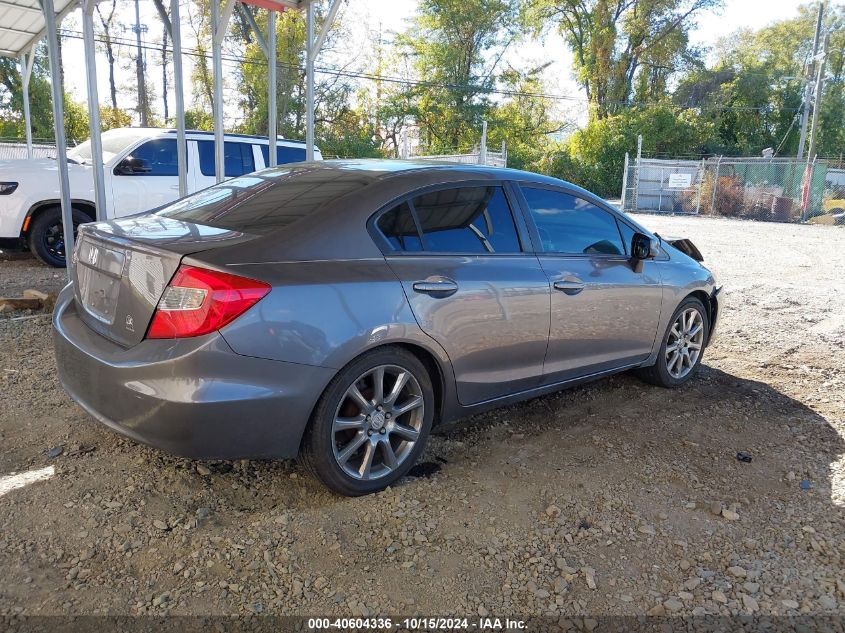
190	397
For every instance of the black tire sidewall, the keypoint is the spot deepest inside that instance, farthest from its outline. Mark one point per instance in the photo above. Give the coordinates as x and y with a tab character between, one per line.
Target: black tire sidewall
318	444
40	224
665	376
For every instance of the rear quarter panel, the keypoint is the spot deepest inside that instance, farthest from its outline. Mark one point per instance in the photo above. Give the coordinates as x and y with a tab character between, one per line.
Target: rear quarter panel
326	313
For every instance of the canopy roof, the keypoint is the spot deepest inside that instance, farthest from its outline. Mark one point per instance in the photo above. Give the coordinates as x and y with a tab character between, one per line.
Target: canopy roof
22	21
22	24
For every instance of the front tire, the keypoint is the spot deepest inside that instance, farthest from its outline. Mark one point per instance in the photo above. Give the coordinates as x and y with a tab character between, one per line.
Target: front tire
682	347
371	423
46	235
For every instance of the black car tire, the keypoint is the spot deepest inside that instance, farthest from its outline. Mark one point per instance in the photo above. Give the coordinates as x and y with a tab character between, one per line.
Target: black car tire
318	446
658	373
40	231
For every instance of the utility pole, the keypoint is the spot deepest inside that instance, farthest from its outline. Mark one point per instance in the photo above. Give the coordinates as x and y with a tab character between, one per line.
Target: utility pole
808	85
143	108
817	101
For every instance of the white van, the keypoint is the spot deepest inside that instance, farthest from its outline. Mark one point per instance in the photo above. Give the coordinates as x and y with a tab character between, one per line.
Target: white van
140	174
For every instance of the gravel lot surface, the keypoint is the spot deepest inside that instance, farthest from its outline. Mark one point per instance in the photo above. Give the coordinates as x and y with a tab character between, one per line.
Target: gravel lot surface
613	498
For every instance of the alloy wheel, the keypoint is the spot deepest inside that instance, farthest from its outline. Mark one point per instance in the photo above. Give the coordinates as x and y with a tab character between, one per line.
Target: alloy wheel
54	238
685	342
378	422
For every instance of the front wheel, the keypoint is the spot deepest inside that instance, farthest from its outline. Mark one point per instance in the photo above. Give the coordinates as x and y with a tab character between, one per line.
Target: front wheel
47	238
682	347
371	423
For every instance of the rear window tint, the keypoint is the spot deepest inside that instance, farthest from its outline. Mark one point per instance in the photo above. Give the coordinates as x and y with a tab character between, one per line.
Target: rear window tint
399	228
284	154
237	158
265	201
453	220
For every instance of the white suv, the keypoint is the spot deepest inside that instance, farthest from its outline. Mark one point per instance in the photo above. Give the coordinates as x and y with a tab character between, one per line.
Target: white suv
140	174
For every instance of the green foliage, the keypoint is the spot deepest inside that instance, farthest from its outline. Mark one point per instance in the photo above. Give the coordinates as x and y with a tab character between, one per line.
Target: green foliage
199	119
753	92
616	42
111	118
456	45
594	156
523	122
290	95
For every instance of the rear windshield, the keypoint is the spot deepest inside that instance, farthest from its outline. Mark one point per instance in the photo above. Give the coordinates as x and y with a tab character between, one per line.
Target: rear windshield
265	201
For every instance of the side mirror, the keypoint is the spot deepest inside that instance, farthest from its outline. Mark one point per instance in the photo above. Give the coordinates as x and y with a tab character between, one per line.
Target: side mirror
644	247
131	166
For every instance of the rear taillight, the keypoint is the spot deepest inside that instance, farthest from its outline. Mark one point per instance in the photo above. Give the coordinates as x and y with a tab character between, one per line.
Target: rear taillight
198	301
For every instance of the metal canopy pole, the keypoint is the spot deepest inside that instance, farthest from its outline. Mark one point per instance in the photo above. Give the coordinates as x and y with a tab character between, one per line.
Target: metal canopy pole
312	49
309	81
272	114
219	21
26	61
100	201
59	124
181	143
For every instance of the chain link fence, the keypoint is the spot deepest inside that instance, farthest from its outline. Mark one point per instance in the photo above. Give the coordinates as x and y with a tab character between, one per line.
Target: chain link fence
14	148
770	189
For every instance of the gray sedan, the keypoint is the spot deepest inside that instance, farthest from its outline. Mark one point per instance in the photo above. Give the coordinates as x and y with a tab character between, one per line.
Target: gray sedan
338	310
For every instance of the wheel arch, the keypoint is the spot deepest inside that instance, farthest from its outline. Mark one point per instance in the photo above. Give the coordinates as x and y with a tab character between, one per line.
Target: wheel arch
437	373
85	206
709	305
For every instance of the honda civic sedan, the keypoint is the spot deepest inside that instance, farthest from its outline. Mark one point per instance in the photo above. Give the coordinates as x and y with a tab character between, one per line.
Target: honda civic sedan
338	310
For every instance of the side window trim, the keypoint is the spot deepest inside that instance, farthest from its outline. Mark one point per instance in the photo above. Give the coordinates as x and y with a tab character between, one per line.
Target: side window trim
535	235
388	250
420	233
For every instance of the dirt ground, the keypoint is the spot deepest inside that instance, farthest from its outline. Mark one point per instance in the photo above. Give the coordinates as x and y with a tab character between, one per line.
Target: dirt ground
617	498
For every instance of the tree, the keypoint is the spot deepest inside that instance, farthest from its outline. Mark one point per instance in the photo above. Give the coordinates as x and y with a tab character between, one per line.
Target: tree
616	42
523	122
40	102
290	81
594	157
455	47
106	20
753	93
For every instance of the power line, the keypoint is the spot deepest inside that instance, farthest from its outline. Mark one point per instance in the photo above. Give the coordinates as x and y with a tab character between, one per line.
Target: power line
236	59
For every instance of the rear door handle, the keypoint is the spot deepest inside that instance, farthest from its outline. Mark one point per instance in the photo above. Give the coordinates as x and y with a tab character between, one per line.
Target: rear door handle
571	286
436	286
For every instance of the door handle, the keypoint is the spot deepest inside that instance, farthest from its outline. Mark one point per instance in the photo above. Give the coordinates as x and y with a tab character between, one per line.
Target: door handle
174	187
571	286
437	286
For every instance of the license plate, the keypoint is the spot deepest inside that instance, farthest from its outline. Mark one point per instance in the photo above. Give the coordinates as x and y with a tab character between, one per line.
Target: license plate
99	270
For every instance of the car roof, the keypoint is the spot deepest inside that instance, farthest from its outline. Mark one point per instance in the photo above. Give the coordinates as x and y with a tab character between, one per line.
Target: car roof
158	131
389	168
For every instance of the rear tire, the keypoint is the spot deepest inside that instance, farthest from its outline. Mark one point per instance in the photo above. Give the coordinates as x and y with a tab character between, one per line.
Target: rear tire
682	347
46	237
363	437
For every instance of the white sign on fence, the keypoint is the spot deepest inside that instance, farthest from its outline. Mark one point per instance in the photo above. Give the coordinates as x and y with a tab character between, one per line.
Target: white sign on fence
679	181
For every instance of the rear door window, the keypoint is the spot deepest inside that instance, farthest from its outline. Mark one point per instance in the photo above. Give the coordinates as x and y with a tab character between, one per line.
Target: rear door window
400	229
470	220
568	224
238	158
284	154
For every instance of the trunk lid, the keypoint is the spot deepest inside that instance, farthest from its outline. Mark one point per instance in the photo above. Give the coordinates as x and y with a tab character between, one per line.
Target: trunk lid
121	269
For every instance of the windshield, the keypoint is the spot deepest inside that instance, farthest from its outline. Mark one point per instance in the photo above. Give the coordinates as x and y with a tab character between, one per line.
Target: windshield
114	142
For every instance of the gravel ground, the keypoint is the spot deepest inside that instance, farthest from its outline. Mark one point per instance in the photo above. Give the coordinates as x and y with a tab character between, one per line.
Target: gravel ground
616	498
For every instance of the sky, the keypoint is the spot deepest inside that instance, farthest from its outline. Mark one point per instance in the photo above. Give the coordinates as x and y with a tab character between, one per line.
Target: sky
366	17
